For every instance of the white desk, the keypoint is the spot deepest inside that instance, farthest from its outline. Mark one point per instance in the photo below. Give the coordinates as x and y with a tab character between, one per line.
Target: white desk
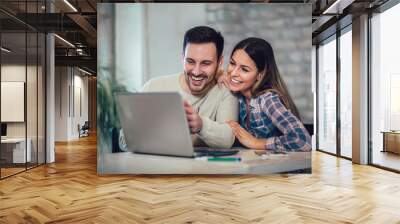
18	149
130	163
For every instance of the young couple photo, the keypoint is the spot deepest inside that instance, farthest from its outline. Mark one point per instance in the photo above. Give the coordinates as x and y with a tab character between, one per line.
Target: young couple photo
244	104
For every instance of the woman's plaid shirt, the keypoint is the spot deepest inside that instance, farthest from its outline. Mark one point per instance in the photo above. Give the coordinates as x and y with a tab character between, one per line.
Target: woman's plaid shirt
269	118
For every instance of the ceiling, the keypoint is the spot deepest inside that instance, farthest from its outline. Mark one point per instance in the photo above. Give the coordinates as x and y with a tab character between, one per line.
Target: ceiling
76	22
331	15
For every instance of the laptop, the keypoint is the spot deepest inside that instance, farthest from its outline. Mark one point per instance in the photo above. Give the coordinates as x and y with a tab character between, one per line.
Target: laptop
155	123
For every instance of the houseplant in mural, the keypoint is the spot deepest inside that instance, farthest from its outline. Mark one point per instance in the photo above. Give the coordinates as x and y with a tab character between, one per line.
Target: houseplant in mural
108	122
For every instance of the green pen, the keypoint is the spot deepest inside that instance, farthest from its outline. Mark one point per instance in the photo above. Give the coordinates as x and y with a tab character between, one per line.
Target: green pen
226	159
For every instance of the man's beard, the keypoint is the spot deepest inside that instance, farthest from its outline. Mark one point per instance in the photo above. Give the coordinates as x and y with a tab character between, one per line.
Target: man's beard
207	86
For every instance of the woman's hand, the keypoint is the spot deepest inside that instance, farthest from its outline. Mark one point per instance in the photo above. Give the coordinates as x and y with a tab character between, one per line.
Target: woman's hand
246	138
222	79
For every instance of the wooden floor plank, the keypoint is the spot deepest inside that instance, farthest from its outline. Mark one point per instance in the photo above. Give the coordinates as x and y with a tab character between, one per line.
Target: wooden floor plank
70	191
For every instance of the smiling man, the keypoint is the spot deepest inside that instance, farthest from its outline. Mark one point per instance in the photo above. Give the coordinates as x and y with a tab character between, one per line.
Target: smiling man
207	106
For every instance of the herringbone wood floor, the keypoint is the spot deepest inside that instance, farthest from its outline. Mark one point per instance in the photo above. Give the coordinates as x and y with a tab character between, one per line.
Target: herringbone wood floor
70	191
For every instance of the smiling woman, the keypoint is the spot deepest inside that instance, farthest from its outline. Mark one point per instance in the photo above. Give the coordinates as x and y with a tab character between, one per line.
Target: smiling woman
268	117
243	72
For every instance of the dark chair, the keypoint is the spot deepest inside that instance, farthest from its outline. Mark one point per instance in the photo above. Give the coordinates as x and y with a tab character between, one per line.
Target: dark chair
84	130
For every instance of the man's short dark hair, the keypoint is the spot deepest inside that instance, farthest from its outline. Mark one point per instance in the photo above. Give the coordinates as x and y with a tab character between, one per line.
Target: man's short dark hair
204	34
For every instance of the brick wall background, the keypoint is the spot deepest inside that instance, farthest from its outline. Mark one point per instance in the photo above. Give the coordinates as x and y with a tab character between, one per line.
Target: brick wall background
287	27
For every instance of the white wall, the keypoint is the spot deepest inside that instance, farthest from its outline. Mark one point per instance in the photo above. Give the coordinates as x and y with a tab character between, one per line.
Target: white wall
61	103
14	73
166	25
13	101
129	45
152	45
68	83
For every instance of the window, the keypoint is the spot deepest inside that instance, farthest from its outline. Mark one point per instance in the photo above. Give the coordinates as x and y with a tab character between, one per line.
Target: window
346	93
327	96
385	88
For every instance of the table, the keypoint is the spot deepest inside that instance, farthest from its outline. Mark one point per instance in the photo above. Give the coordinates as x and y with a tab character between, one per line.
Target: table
391	141
13	150
131	163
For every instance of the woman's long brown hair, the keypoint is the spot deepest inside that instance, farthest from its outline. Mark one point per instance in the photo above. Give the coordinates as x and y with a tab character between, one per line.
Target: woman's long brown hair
261	52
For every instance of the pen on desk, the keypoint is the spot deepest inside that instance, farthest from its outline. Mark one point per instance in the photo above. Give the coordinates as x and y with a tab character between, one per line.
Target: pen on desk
227	159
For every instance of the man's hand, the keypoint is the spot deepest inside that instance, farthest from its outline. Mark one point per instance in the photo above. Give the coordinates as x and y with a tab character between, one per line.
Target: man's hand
194	120
246	138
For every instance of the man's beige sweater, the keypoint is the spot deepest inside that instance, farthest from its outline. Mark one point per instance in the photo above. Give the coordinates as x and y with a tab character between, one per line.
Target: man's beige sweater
215	108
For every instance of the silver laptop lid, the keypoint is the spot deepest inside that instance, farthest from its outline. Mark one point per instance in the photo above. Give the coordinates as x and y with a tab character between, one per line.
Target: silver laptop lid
155	123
